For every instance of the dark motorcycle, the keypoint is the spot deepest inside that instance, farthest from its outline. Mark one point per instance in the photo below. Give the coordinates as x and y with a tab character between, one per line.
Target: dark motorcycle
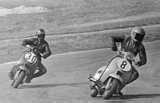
26	67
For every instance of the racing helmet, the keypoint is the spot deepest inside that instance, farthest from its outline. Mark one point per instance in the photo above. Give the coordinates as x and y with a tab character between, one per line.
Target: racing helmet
40	34
137	34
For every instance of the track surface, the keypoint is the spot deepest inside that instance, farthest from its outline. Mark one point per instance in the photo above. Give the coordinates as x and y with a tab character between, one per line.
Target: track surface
66	80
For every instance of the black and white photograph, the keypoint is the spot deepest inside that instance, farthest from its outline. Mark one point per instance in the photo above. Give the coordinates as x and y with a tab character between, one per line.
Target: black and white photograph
79	51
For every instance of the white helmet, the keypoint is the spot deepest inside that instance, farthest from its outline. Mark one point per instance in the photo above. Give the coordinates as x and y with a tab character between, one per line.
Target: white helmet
137	33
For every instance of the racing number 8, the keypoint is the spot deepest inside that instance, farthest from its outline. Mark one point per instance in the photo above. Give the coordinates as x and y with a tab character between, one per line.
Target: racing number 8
123	65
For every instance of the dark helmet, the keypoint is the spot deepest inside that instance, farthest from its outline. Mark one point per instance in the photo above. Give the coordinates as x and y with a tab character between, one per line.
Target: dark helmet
138	33
40	33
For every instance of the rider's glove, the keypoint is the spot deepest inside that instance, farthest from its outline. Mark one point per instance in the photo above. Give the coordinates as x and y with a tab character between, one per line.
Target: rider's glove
43	56
114	48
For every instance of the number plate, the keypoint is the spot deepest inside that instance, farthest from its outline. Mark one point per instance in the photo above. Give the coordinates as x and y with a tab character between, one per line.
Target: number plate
31	57
124	65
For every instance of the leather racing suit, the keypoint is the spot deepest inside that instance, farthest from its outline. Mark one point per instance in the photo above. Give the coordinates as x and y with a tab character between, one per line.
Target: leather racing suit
135	47
45	52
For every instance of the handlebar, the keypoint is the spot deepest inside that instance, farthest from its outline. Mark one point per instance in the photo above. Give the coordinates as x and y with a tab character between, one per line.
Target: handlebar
128	55
32	48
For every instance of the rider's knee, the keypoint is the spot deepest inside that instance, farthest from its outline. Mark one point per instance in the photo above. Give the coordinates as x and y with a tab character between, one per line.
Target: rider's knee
11	75
44	70
136	74
14	69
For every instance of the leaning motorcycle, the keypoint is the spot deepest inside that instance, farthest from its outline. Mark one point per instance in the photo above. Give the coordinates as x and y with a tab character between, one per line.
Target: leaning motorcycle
26	67
108	79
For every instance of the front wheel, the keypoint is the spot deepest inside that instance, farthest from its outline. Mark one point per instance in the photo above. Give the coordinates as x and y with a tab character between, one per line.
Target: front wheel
19	79
94	92
113	84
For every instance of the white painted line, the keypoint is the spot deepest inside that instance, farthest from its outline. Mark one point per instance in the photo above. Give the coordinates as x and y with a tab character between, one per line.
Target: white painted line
7	63
62	54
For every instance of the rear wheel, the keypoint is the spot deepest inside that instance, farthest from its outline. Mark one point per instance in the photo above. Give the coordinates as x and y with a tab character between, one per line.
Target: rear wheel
18	80
94	92
111	89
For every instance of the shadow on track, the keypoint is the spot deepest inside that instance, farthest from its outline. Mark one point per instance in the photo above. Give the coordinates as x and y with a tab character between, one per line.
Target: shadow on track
136	96
125	98
52	85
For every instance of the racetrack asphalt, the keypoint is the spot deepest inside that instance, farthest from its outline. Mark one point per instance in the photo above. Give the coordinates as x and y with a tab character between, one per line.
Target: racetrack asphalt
66	80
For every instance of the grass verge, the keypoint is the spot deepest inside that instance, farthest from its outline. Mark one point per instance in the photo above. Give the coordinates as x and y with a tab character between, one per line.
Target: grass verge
11	49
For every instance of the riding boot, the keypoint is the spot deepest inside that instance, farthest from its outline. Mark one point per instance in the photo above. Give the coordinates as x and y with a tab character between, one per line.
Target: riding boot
118	91
41	71
28	79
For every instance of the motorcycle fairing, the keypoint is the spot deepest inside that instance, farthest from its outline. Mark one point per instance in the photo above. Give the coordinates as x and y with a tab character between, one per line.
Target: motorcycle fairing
99	72
115	65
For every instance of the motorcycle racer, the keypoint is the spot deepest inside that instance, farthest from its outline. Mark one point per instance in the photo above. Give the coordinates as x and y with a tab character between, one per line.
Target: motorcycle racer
134	45
44	52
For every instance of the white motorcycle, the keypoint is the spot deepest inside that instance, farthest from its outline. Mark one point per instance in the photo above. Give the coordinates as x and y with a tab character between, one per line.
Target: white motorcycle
107	79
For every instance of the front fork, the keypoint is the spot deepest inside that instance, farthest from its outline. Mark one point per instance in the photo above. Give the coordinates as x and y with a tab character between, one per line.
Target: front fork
108	84
96	84
27	72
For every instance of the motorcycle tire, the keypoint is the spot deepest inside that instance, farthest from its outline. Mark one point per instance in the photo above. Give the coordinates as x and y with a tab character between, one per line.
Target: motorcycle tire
16	82
112	89
94	92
